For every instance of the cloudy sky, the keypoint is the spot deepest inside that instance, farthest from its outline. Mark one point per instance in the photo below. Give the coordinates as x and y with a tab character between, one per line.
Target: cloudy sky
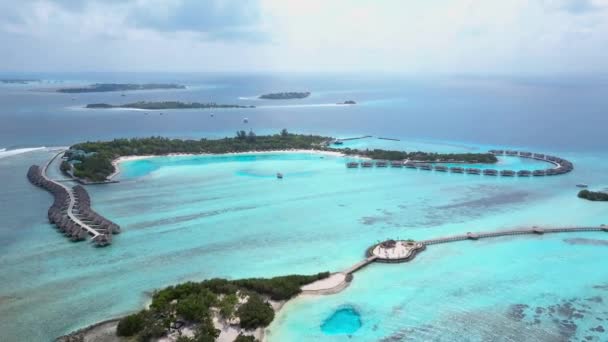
444	36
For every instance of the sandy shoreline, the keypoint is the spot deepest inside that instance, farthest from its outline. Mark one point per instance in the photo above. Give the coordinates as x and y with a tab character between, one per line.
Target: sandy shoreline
116	162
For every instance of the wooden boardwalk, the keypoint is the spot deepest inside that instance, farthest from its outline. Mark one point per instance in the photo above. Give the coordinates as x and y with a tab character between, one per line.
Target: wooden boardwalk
534	230
71	211
354	268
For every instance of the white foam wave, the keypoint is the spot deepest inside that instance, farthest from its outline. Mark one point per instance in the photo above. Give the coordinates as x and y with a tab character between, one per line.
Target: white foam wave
7	153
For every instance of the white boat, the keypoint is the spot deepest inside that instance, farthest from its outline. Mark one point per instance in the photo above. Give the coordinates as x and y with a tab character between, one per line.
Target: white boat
245	120
279	175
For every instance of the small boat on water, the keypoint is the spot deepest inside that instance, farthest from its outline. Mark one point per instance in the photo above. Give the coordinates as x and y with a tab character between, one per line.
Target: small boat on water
582	185
279	175
245	120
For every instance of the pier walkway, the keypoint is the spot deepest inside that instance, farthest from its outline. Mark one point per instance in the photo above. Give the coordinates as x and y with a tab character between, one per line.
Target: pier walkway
71	211
397	251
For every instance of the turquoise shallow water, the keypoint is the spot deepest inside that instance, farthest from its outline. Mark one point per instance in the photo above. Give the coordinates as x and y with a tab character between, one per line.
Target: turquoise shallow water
191	218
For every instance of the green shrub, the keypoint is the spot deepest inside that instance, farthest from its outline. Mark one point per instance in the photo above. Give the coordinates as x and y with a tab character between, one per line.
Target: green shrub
255	313
245	338
196	305
131	325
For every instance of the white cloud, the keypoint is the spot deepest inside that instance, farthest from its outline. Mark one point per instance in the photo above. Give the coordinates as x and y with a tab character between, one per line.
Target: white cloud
477	36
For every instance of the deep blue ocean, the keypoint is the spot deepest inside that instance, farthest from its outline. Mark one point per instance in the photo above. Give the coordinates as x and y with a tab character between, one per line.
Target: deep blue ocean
553	113
196	217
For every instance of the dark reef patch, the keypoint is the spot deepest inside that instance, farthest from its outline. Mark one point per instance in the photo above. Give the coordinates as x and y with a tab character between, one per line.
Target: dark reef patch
346	320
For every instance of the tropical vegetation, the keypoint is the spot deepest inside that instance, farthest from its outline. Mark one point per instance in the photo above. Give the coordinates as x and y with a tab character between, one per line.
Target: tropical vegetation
593	195
196	303
165	105
105	87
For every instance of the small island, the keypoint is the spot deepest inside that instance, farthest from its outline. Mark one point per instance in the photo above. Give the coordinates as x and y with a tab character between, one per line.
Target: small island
165	105
93	161
202	311
347	102
17	81
107	87
285	95
593	195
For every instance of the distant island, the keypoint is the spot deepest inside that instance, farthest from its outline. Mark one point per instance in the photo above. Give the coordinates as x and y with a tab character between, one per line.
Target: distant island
285	96
593	195
347	102
106	87
18	81
93	161
165	105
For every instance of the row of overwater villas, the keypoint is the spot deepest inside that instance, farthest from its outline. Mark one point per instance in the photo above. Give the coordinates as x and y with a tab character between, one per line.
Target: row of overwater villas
563	166
58	212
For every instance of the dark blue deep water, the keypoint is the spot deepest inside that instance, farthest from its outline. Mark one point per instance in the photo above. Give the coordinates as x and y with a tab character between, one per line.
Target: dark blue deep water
562	114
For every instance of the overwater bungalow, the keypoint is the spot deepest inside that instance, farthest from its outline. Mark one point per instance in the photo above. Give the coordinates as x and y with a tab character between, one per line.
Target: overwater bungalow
490	172
352	165
539	155
511	153
507	173
426	167
102	240
396	163
497	151
472	236
525	154
456	169
388	244
537	230
367	164
524	173
410	165
538	173
381	163
551	172
441	168
473	171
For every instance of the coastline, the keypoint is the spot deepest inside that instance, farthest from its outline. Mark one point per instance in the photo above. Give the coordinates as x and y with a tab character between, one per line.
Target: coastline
116	162
105	331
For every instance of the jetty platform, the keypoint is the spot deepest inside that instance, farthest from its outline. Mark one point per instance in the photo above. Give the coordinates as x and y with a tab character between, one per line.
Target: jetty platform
71	210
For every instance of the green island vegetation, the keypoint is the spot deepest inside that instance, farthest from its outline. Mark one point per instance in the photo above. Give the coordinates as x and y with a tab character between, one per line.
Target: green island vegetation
92	161
486	158
166	105
285	96
196	303
105	87
593	195
18	80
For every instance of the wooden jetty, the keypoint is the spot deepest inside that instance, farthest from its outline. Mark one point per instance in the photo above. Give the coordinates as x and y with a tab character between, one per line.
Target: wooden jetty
71	210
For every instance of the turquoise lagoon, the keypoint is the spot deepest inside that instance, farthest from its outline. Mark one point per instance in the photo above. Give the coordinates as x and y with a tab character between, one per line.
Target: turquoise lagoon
196	217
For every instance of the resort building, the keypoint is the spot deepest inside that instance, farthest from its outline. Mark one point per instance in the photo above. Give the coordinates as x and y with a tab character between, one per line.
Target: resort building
456	169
